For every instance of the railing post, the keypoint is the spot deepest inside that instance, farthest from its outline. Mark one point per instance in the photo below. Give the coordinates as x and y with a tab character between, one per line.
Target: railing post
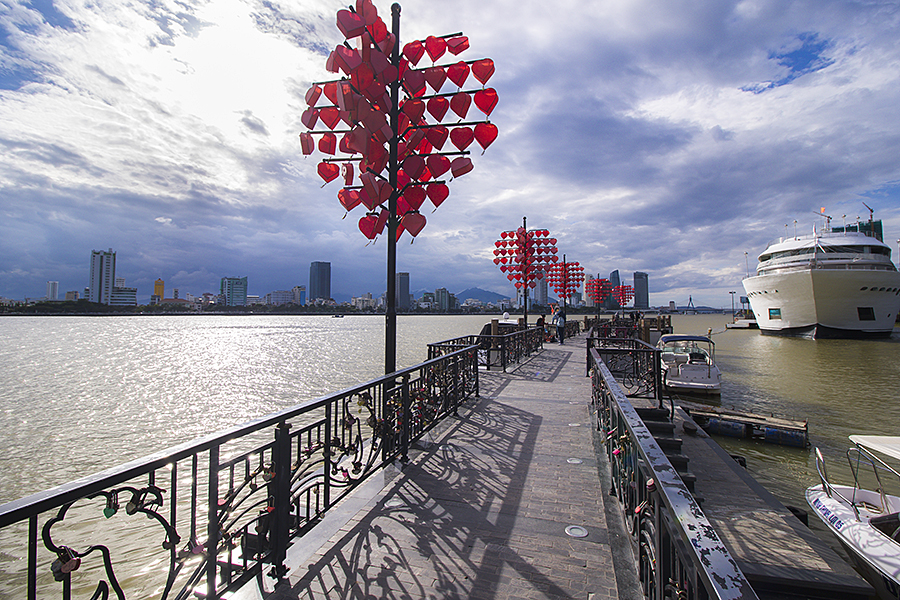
407	421
279	524
212	527
326	484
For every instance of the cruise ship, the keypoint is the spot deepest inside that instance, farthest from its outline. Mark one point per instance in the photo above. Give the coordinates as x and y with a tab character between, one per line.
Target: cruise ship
835	283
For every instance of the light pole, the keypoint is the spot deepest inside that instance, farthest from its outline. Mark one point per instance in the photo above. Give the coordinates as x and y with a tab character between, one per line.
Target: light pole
732	306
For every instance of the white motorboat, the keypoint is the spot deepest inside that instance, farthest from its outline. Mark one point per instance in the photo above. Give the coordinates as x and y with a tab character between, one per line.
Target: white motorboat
864	517
688	364
838	283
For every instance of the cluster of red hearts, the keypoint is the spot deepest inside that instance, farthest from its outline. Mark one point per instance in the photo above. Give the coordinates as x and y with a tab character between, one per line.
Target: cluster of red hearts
598	289
362	102
525	255
565	277
623	294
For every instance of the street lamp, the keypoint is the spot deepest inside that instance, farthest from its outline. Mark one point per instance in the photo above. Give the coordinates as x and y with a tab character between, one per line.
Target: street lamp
732	306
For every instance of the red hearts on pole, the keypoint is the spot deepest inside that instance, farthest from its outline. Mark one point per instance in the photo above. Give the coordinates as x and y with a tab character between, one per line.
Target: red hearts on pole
435	47
437	136
483	69
327	143
328	171
437	164
349	199
461	166
460	104
438	106
435	76
367	226
461	137
413	51
350	24
486	100
414	196
437	193
457	73
485	134
413	222
457	44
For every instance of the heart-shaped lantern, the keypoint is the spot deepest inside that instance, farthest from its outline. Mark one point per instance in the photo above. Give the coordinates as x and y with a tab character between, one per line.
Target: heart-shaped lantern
309	117
460	103
461	166
483	69
307	144
413	51
457	73
461	137
414	82
327	143
414	166
312	95
367	226
330	115
414	109
437	136
350	24
435	76
366	9
349	199
437	193
435	47
415	196
438	164
438	106
485	134
413	223
457	44
486	100
328	171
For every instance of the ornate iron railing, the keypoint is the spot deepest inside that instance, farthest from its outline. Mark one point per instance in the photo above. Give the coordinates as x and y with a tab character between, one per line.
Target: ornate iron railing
223	509
634	363
494	350
679	553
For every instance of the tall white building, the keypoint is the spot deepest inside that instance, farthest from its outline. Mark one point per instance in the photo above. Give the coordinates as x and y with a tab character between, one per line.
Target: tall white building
103	276
52	290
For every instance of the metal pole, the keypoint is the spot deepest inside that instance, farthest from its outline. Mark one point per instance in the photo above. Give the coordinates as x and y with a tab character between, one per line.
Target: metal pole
525	269
390	316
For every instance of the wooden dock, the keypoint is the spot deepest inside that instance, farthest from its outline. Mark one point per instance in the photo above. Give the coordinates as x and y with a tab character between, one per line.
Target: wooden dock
510	500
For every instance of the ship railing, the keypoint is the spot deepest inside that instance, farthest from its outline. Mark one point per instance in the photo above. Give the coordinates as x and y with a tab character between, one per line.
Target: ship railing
679	553
222	510
633	362
494	351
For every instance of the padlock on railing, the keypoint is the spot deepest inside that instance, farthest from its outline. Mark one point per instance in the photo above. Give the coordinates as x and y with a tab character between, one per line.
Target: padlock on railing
65	563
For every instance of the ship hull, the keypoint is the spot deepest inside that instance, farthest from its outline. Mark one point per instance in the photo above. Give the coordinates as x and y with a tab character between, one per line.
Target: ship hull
825	303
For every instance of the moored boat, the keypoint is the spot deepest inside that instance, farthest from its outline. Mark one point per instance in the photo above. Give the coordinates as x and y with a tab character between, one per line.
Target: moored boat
837	283
863	516
688	364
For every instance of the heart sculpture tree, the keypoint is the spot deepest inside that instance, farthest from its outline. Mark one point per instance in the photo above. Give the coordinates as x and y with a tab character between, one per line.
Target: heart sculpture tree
386	123
525	256
566	277
623	295
598	290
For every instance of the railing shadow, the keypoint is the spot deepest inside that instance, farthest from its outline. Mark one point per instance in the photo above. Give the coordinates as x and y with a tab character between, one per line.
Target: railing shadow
443	527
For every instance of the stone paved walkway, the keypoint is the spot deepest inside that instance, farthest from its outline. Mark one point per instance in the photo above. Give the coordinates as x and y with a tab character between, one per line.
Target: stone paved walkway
481	511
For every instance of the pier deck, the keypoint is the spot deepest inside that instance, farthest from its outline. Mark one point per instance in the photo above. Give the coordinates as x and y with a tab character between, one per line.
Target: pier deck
481	510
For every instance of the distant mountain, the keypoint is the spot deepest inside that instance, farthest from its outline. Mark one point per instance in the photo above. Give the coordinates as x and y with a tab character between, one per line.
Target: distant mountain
480	294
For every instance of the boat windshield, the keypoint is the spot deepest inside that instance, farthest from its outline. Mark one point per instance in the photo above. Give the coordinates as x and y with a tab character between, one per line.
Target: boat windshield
885	444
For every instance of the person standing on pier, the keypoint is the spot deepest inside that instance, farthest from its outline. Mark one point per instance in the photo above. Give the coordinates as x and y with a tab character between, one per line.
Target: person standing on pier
560	319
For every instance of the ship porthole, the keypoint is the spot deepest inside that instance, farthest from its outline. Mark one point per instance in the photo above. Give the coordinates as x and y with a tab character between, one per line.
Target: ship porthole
863	288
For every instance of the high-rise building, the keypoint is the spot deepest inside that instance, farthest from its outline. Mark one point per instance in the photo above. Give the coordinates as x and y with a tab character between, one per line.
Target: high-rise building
103	276
641	290
52	290
540	292
233	291
402	295
614	282
159	288
442	299
588	299
299	294
319	281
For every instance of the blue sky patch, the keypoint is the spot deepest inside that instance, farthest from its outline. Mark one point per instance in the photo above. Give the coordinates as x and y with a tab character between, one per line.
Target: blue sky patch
808	57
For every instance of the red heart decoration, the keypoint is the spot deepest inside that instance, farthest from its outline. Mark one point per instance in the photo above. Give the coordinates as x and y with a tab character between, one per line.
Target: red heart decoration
312	95
413	223
328	171
367	226
330	115
378	31
483	69
414	82
457	44
437	136
307	144
382	220
437	107
460	104
379	63
435	47
359	139
372	186
437	193
414	196
327	143
461	166
486	100
347	173
331	91
348	59
485	134
387	44
414	165
435	76
350	24
458	73
402	179
309	117
385	191
496	261
402	206
367	200
461	137
330	64
349	199
363	77
367	11
437	164
414	109
413	51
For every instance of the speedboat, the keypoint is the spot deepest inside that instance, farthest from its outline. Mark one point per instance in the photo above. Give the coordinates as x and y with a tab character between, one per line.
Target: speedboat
838	282
688	364
863	516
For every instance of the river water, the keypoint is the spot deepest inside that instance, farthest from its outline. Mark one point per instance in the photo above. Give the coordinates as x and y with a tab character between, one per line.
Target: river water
82	394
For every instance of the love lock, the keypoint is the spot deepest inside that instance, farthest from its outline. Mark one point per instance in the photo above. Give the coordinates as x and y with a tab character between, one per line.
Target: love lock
64	564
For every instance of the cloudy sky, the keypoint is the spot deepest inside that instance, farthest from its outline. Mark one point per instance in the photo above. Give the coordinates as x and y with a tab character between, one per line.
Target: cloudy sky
666	136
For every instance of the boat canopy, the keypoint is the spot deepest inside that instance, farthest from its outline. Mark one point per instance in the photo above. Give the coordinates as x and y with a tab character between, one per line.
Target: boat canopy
886	444
677	337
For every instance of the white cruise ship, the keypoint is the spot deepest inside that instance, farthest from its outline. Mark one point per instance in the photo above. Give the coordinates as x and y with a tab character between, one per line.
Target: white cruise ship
837	283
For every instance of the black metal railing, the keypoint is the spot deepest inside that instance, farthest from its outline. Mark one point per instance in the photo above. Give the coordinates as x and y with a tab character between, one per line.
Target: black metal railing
634	363
223	509
499	350
679	553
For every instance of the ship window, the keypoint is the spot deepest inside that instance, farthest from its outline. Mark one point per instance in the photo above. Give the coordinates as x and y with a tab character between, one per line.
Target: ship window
775	313
863	288
866	313
881	290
